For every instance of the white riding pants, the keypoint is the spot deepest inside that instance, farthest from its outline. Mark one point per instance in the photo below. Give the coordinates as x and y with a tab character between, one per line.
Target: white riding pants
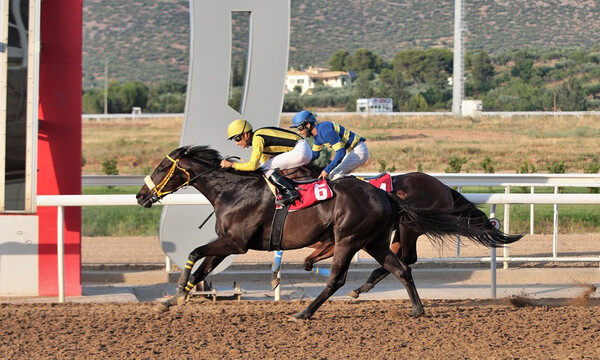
355	158
300	155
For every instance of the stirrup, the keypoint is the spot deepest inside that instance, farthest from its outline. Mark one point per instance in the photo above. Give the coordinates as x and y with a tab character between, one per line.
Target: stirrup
289	199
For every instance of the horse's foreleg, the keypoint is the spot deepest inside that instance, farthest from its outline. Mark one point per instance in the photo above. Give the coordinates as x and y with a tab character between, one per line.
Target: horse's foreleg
337	279
214	252
391	263
323	250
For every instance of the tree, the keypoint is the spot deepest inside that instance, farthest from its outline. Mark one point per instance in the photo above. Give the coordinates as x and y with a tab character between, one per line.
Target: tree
363	86
482	72
438	66
93	101
167	97
412	64
364	59
339	60
570	96
523	67
418	103
133	93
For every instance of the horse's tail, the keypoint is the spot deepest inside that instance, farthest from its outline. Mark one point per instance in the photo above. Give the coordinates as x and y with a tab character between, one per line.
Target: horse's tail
465	220
482	229
435	223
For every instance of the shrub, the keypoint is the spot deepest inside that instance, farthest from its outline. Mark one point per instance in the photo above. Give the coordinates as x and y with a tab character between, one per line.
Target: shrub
455	164
557	168
488	165
109	167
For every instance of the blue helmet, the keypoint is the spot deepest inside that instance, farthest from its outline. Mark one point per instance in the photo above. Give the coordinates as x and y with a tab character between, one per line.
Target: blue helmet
302	118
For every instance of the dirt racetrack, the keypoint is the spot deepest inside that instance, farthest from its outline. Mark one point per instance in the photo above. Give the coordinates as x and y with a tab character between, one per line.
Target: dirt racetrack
451	329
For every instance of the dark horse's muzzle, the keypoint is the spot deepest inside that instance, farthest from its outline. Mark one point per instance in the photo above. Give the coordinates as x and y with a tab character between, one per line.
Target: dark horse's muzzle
146	199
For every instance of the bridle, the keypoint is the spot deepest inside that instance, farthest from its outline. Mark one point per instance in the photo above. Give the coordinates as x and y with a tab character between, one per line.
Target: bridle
158	188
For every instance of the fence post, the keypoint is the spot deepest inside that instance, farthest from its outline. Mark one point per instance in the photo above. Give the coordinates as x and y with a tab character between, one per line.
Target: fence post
531	214
60	252
555	228
493	258
506	228
459	189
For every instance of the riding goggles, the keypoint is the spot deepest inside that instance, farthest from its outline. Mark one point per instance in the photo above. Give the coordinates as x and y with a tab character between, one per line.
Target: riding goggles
302	126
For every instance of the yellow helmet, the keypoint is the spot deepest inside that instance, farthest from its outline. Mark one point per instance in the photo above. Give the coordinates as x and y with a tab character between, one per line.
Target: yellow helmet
238	127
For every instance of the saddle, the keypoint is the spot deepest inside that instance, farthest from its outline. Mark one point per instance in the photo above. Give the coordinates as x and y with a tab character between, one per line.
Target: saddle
311	192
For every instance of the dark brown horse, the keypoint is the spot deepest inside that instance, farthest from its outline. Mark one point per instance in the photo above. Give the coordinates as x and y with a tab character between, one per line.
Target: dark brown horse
420	191
359	216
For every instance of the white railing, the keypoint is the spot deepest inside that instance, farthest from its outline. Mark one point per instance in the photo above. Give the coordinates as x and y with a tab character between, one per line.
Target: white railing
60	201
337	114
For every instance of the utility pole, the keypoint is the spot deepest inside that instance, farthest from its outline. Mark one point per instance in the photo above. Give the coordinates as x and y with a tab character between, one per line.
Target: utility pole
105	86
458	66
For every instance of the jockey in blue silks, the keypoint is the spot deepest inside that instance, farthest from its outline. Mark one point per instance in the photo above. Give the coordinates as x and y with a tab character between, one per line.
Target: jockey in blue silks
350	149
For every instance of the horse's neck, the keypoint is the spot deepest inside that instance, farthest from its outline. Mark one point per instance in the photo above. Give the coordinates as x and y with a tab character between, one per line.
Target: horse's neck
214	186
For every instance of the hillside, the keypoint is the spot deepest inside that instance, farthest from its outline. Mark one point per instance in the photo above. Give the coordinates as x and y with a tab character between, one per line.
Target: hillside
148	40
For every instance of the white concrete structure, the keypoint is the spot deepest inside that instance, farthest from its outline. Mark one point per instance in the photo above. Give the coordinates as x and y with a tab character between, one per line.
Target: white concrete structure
308	79
472	108
375	105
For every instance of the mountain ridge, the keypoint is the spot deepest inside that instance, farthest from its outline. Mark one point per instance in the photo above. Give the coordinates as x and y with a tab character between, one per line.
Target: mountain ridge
148	40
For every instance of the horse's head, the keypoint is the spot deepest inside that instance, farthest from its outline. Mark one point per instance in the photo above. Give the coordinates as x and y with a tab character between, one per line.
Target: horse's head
178	169
169	176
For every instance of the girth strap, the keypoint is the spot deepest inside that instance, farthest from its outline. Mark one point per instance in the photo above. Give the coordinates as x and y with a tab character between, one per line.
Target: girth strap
277	227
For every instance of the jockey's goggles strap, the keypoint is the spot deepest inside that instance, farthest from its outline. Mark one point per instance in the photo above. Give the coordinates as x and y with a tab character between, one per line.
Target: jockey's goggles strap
158	189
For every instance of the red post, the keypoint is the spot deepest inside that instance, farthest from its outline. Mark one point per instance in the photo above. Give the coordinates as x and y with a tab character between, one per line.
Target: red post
59	139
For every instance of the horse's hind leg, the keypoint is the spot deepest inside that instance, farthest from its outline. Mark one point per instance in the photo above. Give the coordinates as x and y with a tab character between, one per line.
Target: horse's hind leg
404	245
337	278
380	273
376	276
391	263
323	250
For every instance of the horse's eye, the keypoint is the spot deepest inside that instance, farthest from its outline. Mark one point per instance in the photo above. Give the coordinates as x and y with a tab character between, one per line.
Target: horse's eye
159	171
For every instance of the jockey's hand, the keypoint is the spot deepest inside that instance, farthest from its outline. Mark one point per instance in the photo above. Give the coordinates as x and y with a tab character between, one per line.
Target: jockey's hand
323	175
226	164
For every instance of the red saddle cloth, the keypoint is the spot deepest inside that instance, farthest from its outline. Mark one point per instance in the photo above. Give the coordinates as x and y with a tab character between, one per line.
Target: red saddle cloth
311	194
383	182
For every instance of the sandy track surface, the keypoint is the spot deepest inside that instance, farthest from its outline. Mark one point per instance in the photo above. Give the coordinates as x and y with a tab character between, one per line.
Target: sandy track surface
460	329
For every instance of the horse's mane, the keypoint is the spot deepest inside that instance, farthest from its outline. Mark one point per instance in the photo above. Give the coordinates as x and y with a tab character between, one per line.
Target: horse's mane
204	153
207	154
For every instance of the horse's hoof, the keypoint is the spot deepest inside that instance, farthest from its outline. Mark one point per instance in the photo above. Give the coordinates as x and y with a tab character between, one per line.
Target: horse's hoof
417	312
299	316
353	294
160	307
308	267
181	299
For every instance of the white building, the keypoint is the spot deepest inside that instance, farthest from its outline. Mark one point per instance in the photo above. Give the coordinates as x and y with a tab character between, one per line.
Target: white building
308	79
375	105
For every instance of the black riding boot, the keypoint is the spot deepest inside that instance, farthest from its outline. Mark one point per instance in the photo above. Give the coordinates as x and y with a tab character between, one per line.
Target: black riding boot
288	192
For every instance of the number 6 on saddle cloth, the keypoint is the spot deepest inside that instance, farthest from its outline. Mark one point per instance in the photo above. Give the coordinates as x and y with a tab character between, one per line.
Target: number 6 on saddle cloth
310	193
